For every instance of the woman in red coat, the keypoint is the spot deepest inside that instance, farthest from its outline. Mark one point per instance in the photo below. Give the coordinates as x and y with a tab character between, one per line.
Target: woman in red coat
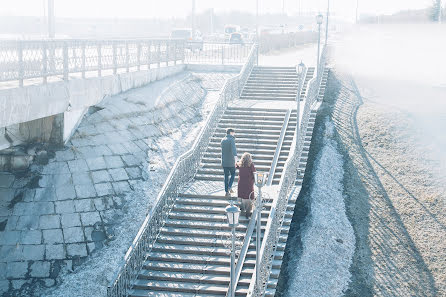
245	187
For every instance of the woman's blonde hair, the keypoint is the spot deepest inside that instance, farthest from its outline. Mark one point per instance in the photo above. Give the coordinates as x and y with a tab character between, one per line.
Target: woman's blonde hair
246	160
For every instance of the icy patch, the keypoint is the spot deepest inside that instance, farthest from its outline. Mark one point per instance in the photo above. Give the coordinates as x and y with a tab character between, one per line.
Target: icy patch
327	237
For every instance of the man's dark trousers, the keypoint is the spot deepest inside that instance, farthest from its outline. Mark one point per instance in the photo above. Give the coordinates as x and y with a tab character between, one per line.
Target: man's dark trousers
228	181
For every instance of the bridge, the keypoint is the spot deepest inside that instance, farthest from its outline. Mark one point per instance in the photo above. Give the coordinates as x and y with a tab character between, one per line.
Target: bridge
182	248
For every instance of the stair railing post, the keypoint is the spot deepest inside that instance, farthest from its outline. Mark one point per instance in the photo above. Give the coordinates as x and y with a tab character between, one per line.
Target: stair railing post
115	60
83	59
99	59
44	62
65	61
223	54
20	60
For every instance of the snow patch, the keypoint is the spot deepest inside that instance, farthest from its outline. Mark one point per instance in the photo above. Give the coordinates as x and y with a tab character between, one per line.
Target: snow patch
327	237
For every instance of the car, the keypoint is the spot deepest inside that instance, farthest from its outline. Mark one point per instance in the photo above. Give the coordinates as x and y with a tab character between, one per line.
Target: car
236	38
193	41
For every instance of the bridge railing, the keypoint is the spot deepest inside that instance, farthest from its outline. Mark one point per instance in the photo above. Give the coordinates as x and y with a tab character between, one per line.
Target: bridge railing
63	59
27	59
222	53
182	172
279	206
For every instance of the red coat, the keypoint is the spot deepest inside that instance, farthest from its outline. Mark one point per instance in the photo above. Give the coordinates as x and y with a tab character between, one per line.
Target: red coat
246	182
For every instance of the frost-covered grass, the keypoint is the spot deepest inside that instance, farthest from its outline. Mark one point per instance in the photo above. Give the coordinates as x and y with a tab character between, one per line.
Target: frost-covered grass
327	237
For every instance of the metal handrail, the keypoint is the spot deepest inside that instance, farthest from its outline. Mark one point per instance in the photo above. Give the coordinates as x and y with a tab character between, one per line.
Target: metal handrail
182	172
278	209
278	148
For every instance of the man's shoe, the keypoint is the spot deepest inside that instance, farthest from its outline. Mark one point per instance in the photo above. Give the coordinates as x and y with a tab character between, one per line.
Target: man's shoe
231	191
228	194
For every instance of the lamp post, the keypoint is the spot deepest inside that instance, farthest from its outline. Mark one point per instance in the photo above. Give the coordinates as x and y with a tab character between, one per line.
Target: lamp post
300	71
232	214
260	179
319	20
326	22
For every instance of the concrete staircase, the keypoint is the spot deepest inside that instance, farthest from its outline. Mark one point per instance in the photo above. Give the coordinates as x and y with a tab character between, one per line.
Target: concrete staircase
257	132
274	83
191	254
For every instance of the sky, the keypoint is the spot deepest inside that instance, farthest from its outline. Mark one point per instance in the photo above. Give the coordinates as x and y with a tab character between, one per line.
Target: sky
180	8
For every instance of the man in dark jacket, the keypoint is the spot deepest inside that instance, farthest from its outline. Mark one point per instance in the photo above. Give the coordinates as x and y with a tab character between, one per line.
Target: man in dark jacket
228	159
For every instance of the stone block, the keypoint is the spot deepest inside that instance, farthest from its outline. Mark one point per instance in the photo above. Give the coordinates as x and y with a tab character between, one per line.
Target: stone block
90	218
130	160
118	174
56	167
65	155
49	222
28	223
65	192
113	161
18	283
103	189
78	165
52	236
7	194
12	223
100	176
40	269
33	252
4	286
70	220
77	250
16	270
3	270
102	150
6	180
82	179
96	163
118	149
131	146
121	187
84	205
9	237
52	180
85	191
31	237
11	252
134	172
66	206
54	252
100	204
73	235
87	232
28	195
45	194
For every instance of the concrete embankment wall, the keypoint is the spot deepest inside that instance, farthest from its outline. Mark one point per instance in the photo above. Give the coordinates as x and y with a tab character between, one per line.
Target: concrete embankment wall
34	108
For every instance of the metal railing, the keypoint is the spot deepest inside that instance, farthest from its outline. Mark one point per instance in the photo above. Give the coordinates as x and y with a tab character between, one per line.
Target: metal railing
278	209
182	172
216	53
20	60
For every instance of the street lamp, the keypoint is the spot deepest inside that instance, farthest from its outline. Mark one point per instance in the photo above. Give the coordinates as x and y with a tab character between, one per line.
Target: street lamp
260	179
319	20
232	214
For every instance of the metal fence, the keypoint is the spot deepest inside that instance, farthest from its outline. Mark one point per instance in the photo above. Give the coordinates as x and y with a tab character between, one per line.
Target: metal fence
217	53
20	60
65	59
278	209
182	172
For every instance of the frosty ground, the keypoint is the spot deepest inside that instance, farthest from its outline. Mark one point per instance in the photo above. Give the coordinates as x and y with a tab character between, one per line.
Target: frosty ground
388	111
